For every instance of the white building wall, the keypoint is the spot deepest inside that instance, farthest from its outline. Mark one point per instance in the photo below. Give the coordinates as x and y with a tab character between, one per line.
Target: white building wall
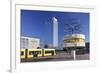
24	43
33	43
29	43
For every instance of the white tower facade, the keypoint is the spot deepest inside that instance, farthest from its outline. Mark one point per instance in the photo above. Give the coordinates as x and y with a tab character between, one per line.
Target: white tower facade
55	32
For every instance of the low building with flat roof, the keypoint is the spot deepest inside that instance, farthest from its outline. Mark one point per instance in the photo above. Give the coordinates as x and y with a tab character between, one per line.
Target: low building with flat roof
29	43
74	40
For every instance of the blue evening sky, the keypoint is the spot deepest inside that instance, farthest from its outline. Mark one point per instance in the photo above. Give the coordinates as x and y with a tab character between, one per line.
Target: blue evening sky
39	24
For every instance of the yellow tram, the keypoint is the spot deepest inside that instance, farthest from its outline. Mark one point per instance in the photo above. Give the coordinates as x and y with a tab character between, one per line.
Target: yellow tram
30	53
34	53
22	53
49	52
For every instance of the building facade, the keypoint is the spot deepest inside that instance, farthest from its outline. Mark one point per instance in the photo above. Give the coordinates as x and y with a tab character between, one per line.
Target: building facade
74	40
29	43
55	32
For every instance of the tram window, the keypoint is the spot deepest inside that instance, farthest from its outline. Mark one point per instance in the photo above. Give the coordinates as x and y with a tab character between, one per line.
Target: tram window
38	52
49	51
22	53
30	53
